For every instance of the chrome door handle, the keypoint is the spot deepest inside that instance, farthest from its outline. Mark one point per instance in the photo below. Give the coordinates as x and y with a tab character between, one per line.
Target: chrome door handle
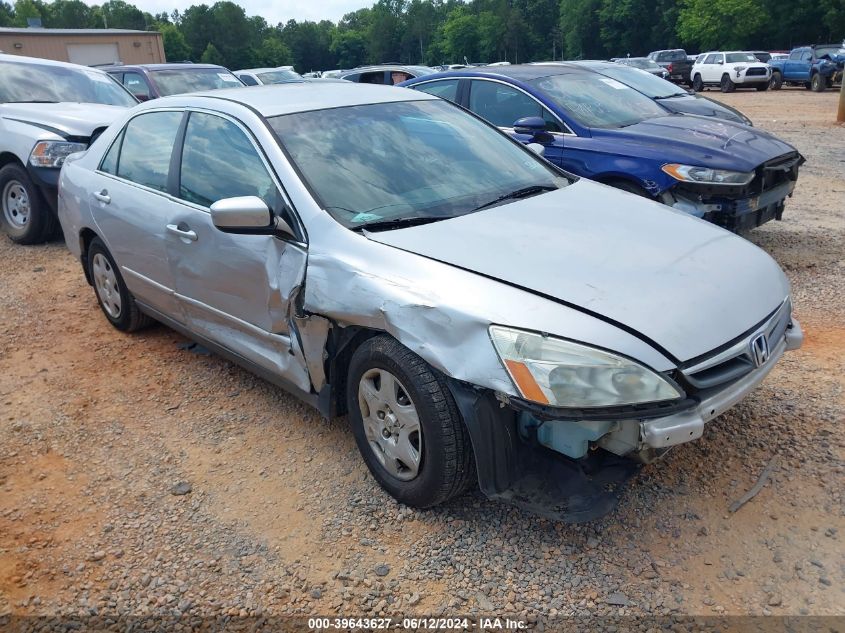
103	196
188	235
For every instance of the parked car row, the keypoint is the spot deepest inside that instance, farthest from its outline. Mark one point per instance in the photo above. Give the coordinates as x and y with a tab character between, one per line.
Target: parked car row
382	253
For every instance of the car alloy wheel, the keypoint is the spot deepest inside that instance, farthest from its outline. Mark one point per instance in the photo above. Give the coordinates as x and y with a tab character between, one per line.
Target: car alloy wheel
391	423
105	283
16	205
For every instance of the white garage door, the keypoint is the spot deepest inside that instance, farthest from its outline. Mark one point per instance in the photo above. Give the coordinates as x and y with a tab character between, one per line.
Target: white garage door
92	54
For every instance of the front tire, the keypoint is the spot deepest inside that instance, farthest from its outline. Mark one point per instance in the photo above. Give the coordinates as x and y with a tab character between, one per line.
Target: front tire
115	300
762	87
777	81
726	85
818	83
697	84
24	214
406	425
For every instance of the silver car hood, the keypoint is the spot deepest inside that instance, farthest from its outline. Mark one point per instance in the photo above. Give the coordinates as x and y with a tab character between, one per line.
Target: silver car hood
68	119
683	284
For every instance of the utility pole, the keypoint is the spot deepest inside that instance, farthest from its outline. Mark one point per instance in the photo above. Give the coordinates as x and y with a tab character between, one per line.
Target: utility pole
840	116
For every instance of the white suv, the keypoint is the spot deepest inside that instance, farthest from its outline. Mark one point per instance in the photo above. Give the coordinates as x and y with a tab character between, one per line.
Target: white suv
729	70
48	110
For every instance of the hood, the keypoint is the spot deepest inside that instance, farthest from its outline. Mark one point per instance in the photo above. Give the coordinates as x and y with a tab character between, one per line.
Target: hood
683	285
64	119
695	140
702	106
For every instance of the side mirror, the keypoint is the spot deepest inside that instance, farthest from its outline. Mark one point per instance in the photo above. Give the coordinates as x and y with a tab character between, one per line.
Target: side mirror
720	62
247	215
537	148
529	125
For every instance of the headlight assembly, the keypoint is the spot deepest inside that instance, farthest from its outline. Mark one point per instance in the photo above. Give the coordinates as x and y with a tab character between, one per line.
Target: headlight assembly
53	153
561	373
706	175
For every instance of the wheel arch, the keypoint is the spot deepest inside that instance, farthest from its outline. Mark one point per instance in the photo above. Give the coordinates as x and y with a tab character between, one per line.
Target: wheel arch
612	179
7	158
86	236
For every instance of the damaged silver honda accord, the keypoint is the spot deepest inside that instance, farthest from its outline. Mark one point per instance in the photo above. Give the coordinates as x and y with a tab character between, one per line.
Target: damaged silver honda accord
480	314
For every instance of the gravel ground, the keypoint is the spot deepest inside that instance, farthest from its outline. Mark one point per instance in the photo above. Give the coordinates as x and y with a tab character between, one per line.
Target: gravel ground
138	477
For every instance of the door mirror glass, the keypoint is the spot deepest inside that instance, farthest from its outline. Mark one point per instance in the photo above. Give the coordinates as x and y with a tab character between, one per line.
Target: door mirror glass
244	214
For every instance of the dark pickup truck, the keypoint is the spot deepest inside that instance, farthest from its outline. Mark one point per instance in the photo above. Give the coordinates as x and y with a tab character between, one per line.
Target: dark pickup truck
675	61
815	67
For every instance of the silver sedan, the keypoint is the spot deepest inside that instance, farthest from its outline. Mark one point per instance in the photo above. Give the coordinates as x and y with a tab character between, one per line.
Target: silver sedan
479	314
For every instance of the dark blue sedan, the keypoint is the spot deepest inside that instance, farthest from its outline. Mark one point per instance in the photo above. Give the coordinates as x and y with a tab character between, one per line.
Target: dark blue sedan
595	126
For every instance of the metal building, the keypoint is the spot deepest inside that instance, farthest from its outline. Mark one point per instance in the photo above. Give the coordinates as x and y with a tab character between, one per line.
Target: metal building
85	46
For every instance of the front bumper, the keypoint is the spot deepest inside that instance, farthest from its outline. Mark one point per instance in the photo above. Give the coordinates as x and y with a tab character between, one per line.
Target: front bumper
47	181
735	215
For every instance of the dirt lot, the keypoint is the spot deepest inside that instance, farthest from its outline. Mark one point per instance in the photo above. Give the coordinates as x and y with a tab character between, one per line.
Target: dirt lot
282	518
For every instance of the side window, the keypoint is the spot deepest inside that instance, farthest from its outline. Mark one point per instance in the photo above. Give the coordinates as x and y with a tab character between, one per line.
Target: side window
147	145
376	77
501	104
445	89
552	124
248	80
353	77
711	59
109	163
219	161
795	55
806	56
136	84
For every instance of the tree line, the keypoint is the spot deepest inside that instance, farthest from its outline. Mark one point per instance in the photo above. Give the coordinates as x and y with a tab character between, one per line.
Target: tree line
453	31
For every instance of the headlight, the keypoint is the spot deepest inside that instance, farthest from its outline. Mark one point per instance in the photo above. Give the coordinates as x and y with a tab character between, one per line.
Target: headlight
53	153
692	173
561	373
739	69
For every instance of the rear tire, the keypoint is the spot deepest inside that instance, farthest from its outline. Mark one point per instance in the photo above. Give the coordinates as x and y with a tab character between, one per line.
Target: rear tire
391	389
697	84
726	85
115	300
777	81
24	214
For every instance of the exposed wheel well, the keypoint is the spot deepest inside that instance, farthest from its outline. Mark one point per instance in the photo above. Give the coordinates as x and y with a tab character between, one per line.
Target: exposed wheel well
341	346
626	184
8	157
85	238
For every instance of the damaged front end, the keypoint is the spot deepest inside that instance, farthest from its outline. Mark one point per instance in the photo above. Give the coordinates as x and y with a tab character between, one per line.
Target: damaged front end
740	208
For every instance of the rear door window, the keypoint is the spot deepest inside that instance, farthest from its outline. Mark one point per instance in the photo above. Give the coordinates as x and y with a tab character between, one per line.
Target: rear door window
147	145
445	89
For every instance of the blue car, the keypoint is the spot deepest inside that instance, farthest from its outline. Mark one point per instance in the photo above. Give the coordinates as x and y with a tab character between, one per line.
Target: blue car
592	125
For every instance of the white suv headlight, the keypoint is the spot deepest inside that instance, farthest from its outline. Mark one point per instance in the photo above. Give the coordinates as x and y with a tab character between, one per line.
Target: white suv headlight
693	173
53	153
561	373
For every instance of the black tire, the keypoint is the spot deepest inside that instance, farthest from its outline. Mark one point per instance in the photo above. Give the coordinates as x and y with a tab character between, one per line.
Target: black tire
777	81
726	85
447	466
762	87
818	83
35	226
697	84
808	85
129	318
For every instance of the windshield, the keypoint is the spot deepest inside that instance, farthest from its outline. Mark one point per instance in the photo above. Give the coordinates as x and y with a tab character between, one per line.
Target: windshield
414	159
829	50
650	85
174	81
732	58
279	76
597	101
33	83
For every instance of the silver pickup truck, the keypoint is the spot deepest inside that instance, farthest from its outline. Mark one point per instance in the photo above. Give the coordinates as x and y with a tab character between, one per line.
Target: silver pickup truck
48	110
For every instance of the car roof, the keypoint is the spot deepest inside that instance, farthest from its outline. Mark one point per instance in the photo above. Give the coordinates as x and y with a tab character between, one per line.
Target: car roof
20	59
263	70
303	96
170	66
521	72
388	67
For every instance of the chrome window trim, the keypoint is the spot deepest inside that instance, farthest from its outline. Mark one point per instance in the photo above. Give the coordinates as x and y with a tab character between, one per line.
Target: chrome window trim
567	131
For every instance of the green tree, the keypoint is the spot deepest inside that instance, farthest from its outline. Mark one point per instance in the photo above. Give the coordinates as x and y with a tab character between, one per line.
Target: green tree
460	36
122	15
175	46
579	26
212	56
7	14
726	24
69	14
25	9
349	48
272	52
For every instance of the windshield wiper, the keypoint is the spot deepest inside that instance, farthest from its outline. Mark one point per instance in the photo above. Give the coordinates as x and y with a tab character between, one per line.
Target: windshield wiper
33	101
531	190
672	96
398	223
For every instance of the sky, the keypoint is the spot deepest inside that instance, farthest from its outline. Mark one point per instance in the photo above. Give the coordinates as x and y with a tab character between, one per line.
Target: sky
274	11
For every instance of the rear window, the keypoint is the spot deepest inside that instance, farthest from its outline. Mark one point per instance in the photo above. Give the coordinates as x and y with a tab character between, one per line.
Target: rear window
674	56
180	80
